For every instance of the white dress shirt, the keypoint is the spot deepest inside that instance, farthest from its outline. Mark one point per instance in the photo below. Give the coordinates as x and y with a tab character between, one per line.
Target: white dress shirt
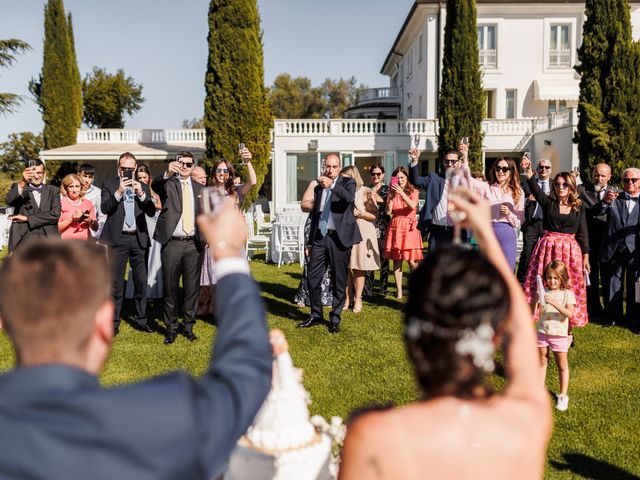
323	199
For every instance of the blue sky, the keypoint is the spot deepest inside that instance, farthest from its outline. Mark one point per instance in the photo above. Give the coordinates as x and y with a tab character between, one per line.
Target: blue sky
162	44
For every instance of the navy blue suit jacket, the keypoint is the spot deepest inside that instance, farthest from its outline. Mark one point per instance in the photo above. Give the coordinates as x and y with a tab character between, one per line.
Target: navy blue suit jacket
617	229
434	185
114	210
342	198
56	422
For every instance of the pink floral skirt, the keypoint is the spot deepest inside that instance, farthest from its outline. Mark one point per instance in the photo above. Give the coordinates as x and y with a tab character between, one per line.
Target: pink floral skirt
562	247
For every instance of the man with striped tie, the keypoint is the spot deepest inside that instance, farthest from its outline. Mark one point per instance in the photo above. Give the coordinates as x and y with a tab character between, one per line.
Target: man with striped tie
182	251
332	233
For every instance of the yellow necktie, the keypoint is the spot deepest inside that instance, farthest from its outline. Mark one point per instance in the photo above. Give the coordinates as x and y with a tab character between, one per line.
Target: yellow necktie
187	209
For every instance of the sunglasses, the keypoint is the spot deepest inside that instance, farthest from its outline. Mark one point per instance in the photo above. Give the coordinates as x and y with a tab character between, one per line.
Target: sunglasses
222	170
561	185
543	167
630	180
186	164
376	174
450	162
503	169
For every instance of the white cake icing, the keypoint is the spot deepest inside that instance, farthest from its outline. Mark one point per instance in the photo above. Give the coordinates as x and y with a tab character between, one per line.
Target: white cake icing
282	444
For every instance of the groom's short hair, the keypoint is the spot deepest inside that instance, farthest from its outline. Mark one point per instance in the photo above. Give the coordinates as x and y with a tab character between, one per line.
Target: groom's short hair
51	291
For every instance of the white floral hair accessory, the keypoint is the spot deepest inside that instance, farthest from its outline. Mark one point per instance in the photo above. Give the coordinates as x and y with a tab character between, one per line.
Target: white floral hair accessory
477	342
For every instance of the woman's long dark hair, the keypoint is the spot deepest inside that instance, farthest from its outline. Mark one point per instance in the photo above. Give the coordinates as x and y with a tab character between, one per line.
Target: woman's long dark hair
513	184
454	290
228	184
409	188
573	198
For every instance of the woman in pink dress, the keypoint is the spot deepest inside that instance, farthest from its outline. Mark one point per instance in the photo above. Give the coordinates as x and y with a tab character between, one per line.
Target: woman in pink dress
77	215
404	241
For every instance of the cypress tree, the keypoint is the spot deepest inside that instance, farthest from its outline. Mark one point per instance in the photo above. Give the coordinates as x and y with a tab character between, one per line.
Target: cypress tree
461	100
75	74
59	109
236	108
608	106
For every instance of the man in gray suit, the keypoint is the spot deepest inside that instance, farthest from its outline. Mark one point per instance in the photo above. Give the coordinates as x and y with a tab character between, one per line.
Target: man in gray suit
55	419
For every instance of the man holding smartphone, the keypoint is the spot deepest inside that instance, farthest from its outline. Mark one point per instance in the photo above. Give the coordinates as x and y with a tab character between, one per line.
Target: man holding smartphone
126	202
36	206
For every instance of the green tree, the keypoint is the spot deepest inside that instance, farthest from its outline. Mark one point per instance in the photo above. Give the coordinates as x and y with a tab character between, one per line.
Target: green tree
56	95
236	108
295	98
461	100
9	48
193	123
338	95
608	111
75	74
19	148
108	97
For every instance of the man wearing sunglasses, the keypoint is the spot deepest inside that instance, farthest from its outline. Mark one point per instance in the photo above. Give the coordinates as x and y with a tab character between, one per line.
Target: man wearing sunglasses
620	248
126	203
532	229
434	219
179	236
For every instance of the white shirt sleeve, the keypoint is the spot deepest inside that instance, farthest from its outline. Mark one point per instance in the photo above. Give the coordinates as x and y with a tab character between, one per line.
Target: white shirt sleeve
227	266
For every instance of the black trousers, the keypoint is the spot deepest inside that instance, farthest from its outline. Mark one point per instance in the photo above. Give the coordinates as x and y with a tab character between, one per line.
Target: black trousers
530	236
624	273
440	235
129	249
180	258
325	251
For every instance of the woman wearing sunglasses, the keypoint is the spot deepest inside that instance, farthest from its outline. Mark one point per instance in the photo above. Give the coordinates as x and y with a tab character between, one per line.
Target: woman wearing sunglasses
507	204
565	238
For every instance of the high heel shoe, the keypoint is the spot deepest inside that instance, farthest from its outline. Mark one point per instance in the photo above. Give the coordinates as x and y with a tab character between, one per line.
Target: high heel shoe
357	305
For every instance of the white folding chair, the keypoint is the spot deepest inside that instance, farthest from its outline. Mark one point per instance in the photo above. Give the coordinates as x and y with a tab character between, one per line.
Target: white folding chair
255	242
291	241
264	227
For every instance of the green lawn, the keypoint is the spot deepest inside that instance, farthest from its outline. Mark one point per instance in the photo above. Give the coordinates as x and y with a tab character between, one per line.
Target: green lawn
598	437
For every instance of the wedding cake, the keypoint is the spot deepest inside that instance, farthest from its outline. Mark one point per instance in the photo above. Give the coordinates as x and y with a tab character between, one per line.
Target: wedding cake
282	444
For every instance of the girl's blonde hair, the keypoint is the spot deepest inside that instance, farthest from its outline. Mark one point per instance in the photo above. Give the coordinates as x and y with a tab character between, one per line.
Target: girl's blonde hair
560	269
353	172
68	180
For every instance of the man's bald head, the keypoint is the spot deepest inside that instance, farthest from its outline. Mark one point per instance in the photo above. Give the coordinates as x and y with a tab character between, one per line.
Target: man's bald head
601	176
199	175
332	164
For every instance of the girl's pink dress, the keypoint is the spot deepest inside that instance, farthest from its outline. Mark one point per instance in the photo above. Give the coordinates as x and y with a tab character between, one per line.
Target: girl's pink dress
404	241
76	231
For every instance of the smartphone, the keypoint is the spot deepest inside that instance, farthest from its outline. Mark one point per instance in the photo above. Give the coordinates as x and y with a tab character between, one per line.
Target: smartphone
127	173
211	200
394	181
465	140
527	154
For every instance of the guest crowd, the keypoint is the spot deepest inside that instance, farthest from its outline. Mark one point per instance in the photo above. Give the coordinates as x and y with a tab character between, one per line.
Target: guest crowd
580	245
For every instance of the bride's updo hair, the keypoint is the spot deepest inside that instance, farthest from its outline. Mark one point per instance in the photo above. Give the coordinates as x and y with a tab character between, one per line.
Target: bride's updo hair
457	301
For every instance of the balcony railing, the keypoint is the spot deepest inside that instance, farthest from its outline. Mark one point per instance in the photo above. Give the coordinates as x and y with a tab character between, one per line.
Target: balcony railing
372	94
488	58
560	58
179	136
427	127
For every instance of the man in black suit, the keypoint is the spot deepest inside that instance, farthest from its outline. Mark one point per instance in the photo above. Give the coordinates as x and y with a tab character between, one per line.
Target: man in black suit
332	233
58	422
126	202
182	250
620	248
591	195
36	207
532	228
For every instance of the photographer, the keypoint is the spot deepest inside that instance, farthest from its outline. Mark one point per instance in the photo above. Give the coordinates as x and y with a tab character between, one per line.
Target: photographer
36	206
77	215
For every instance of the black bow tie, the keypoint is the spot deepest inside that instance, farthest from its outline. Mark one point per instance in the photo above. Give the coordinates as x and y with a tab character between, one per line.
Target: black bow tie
33	188
633	199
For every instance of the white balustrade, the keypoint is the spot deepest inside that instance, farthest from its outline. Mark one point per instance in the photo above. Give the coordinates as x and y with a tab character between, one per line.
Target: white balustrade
166	136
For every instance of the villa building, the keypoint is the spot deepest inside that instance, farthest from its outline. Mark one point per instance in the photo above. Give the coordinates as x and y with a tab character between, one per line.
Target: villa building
527	51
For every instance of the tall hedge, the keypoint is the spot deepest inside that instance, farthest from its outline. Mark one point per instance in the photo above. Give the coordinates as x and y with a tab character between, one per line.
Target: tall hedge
75	74
461	100
236	108
609	105
59	98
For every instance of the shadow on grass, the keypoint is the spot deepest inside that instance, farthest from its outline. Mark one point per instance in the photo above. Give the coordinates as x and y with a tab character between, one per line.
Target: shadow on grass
282	305
588	467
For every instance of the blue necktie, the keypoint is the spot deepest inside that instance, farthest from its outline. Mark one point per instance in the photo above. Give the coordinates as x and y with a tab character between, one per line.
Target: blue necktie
129	217
324	216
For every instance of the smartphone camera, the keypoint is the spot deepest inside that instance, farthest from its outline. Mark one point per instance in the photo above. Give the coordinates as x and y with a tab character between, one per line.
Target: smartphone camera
211	200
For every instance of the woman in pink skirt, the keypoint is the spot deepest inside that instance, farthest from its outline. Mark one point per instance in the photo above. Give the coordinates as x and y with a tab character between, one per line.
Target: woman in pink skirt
404	241
565	238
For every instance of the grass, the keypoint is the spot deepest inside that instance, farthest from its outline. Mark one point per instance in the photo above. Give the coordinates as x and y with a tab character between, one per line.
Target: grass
365	364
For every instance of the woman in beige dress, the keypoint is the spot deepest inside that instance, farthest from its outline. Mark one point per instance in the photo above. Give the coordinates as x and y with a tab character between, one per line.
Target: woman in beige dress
365	256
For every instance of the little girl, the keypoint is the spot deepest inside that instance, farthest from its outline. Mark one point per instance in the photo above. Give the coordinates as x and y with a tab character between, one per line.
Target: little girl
553	325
